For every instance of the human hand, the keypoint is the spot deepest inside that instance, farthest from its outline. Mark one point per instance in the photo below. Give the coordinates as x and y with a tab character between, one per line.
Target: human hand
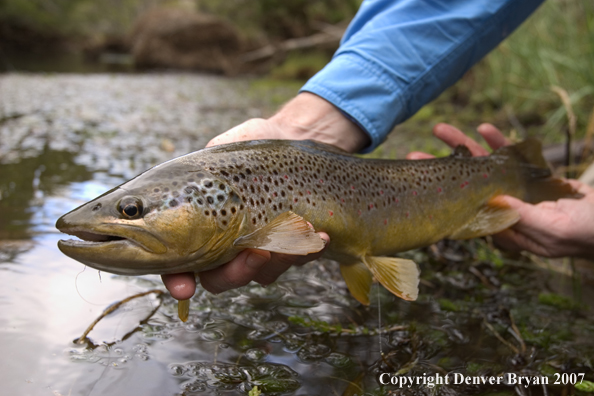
551	229
306	117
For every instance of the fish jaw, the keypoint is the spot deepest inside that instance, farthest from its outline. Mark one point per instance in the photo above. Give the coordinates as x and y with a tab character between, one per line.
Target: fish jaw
121	247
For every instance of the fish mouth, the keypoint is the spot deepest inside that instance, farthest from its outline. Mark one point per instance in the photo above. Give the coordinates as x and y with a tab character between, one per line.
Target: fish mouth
108	235
87	238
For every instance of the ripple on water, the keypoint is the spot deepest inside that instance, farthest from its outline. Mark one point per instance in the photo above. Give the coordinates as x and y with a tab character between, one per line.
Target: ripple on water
269	378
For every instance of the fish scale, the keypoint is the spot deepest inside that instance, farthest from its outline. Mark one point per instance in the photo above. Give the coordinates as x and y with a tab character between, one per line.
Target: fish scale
198	211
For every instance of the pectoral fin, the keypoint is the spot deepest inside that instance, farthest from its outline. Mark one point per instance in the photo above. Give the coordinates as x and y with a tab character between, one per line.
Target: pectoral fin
358	279
400	276
493	217
288	233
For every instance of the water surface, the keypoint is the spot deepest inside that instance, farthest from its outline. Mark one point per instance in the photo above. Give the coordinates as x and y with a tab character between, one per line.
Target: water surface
65	139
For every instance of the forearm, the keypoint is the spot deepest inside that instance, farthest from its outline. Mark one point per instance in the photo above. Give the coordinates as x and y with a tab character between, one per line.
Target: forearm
398	55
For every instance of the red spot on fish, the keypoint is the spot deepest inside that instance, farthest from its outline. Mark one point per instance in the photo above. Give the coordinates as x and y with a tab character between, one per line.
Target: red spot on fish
485	175
275	194
300	168
382	192
255	179
309	192
439	189
321	181
295	200
385	221
370	206
352	187
359	211
286	177
396	200
342	200
407	214
331	213
415	193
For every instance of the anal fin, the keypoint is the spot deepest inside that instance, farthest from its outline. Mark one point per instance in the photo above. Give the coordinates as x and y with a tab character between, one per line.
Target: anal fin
287	233
493	217
399	276
358	279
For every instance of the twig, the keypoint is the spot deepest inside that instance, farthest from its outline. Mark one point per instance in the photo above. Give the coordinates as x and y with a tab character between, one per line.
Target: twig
498	336
109	310
572	123
517	334
588	137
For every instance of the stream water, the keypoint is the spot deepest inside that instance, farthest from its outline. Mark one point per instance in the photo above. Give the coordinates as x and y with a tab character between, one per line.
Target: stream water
65	139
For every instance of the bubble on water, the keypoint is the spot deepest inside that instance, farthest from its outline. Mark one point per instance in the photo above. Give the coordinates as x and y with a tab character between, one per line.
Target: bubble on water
313	353
212	335
256	354
338	360
270	378
177	369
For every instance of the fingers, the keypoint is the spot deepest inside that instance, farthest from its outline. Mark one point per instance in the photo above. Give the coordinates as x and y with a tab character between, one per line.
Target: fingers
416	155
252	264
236	273
181	286
454	137
493	136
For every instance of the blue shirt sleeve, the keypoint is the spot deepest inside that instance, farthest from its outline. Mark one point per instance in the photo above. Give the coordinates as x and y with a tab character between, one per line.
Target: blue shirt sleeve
397	55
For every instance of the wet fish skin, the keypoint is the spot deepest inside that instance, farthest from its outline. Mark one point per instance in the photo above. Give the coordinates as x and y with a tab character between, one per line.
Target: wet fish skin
200	210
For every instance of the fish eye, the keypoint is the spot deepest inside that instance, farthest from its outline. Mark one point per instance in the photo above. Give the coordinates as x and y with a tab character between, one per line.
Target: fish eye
130	207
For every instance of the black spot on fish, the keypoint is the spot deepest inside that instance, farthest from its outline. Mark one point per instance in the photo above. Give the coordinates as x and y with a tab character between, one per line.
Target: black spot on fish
173	203
210	200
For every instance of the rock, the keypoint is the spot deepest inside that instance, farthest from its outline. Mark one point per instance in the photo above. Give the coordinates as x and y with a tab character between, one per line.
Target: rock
175	38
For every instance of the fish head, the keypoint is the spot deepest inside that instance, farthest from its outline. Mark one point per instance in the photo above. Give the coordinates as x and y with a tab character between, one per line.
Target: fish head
169	219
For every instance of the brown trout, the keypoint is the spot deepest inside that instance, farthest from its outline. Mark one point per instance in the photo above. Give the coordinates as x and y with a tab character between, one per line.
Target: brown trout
198	211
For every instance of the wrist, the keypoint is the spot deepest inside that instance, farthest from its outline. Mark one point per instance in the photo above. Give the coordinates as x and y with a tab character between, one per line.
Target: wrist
308	116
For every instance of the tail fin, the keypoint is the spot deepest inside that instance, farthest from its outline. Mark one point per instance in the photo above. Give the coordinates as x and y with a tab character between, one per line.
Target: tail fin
541	185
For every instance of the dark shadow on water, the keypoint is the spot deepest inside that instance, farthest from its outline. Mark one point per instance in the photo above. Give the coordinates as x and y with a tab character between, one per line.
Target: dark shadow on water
24	185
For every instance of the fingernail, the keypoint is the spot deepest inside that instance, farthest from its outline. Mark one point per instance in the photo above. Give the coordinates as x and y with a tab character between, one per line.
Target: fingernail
255	260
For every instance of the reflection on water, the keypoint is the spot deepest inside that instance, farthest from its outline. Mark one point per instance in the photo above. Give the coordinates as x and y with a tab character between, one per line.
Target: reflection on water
66	139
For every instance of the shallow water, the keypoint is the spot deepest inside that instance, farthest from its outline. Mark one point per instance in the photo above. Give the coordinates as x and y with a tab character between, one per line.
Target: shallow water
65	139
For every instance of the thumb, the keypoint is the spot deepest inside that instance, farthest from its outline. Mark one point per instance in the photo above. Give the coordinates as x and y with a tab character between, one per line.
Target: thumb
256	128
